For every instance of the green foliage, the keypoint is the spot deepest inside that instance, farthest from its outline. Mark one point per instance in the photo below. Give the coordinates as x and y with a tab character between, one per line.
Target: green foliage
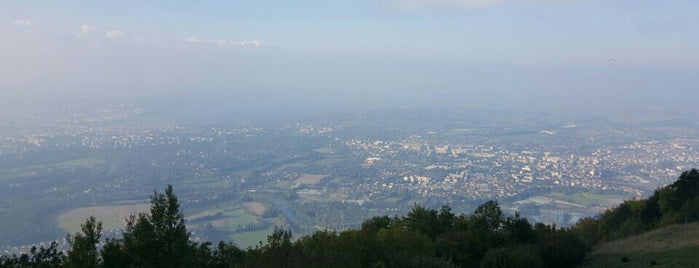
519	229
423	221
41	257
490	213
423	238
675	203
516	256
375	224
83	251
114	254
158	239
561	248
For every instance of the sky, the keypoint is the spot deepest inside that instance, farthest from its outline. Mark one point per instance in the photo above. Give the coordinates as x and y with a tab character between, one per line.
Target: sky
374	52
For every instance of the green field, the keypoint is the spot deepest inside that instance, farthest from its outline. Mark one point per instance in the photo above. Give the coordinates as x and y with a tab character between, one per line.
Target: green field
27	171
251	239
112	217
673	246
683	257
590	199
209	182
235	215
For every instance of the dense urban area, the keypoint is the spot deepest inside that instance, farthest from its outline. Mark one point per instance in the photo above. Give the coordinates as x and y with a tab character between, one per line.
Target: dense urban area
237	181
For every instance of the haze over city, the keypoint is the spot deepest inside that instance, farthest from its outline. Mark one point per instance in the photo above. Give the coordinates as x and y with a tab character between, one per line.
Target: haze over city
354	54
311	116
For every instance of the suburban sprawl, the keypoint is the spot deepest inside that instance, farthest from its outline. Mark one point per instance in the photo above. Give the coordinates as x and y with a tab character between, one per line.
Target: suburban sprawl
236	181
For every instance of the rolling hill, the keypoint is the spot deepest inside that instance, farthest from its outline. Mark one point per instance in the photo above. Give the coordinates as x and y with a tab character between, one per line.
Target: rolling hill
671	246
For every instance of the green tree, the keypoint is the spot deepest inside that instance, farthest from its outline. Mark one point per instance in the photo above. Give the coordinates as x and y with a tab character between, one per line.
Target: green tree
169	228
38	257
690	210
226	254
423	221
279	250
516	256
158	239
518	229
83	251
561	248
114	254
491	213
588	229
375	224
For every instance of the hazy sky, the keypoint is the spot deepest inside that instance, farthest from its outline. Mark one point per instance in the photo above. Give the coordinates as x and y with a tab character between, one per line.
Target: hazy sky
366	50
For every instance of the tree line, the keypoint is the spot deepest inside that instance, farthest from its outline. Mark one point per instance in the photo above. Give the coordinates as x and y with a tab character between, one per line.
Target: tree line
422	238
676	203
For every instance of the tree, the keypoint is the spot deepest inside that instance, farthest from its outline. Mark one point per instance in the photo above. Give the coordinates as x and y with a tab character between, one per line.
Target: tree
491	213
561	249
278	252
41	257
423	221
158	239
169	228
375	224
588	229
84	251
516	256
519	229
686	187
114	254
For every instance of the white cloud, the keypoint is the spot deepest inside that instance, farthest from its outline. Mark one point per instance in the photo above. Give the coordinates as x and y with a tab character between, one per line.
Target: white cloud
251	43
115	34
24	23
85	30
226	43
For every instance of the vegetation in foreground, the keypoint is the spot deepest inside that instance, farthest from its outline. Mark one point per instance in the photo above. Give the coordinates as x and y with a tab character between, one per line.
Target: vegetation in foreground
672	246
422	238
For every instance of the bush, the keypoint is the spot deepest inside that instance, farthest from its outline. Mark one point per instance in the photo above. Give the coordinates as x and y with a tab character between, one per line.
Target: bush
517	256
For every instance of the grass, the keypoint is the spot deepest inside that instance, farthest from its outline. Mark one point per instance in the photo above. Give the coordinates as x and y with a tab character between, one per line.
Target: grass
324	150
204	183
590	199
112	217
236	214
309	178
233	215
256	208
90	163
672	246
28	171
671	237
239	217
293	165
330	160
253	238
682	257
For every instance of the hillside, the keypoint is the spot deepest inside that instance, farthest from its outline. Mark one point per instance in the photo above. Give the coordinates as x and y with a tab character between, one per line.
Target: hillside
637	233
672	246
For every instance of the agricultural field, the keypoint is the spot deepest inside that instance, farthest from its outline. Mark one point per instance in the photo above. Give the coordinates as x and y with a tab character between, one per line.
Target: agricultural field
255	208
309	179
112	217
240	222
589	199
